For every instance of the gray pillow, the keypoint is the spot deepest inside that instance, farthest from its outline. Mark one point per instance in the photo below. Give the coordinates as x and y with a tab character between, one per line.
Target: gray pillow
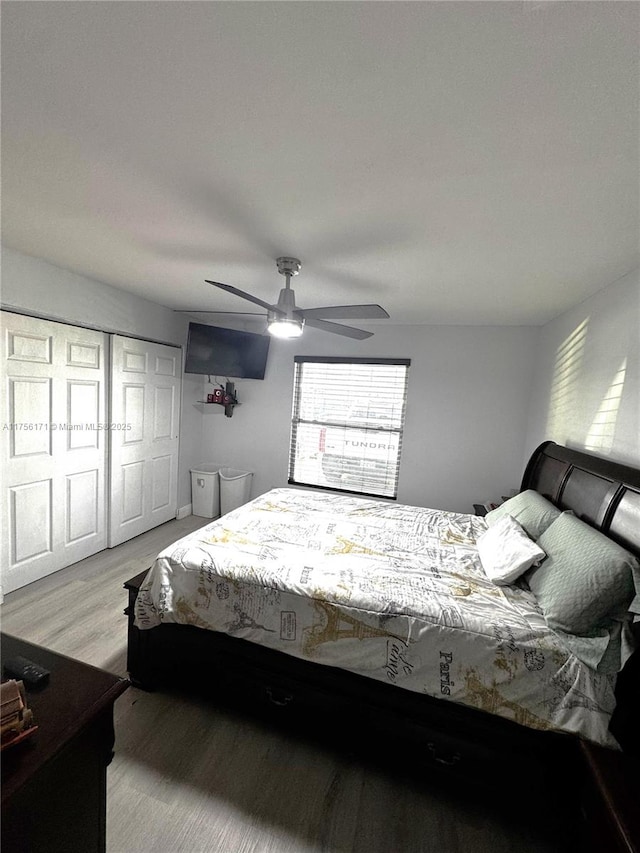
532	512
586	582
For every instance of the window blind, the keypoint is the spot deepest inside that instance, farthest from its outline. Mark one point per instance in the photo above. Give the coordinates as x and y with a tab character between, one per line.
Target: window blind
347	423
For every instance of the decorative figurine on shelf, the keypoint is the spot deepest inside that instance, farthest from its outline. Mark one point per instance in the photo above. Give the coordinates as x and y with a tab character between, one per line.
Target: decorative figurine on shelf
225	396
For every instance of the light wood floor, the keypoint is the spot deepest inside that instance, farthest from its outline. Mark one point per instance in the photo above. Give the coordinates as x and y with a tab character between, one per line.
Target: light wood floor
190	776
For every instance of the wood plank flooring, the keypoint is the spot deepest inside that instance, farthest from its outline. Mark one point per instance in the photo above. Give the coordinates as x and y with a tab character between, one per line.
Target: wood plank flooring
191	776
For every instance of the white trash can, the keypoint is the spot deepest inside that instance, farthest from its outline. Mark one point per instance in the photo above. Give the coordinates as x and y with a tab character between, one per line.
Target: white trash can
205	491
235	488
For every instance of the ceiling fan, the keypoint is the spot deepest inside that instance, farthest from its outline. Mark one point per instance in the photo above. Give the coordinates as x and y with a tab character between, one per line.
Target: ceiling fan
286	320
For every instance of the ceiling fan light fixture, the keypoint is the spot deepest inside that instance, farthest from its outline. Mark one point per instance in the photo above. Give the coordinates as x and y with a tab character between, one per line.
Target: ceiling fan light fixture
286	320
285	327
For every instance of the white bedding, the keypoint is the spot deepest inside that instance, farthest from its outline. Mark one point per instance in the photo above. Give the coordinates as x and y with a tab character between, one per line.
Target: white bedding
392	592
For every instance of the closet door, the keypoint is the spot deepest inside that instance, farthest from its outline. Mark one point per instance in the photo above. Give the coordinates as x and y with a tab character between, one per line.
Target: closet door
53	447
145	400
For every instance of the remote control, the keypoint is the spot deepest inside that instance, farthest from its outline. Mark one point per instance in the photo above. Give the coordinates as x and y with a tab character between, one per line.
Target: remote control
27	671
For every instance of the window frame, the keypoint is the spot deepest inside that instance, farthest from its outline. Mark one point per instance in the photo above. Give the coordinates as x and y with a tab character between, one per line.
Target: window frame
368	424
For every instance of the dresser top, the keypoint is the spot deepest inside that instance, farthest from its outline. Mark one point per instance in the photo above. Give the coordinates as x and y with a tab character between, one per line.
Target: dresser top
74	696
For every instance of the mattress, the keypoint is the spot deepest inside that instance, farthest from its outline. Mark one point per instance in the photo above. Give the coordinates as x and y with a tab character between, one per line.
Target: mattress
391	592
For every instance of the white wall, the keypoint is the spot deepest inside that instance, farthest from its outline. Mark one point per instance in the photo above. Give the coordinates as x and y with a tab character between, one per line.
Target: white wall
480	398
466	414
35	287
586	389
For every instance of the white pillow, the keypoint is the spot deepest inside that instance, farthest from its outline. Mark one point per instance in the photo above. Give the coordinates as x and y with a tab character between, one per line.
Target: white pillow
506	552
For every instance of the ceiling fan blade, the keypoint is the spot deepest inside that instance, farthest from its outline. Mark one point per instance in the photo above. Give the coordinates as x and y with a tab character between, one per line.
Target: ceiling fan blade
346	312
338	329
242	294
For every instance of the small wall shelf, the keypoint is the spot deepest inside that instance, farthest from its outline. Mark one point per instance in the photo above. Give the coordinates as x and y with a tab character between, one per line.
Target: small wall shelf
207	408
225	398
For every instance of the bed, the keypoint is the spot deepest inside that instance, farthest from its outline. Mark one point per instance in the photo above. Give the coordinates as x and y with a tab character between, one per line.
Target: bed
380	617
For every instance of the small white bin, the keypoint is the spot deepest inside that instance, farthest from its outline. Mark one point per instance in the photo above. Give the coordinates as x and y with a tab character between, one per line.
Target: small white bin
205	491
235	488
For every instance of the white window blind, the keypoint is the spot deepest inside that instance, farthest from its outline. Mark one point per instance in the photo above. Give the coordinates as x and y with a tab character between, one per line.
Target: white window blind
347	423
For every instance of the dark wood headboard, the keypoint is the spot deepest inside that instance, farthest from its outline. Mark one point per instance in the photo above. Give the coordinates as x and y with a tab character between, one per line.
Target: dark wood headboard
602	493
606	495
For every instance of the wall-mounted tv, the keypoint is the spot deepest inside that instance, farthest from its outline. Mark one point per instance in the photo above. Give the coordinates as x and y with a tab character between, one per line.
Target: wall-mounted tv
217	351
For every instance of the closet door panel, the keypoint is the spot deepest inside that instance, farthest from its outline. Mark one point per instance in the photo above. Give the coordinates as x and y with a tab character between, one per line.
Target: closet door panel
54	445
145	395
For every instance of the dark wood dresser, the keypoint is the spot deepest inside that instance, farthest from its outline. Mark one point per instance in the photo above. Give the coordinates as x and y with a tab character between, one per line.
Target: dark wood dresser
54	782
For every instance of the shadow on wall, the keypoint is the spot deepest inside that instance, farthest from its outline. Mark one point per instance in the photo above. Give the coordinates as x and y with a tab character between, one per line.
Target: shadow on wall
565	385
603	429
580	414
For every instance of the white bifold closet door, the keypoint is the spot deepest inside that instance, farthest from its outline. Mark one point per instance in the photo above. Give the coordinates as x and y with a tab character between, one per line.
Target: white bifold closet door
54	447
145	401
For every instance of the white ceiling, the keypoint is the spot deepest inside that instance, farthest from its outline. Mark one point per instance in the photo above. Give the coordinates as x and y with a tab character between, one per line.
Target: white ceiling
472	162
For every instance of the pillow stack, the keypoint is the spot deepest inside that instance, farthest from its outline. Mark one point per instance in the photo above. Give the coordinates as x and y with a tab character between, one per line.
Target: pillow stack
585	583
506	552
508	548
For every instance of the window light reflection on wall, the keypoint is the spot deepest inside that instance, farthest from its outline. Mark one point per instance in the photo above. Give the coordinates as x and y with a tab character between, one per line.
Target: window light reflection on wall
602	430
564	387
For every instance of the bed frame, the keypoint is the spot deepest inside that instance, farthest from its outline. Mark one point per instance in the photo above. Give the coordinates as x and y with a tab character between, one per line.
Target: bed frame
460	740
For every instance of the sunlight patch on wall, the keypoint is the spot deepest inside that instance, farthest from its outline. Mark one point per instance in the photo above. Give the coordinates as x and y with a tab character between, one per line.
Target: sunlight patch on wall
566	370
602	430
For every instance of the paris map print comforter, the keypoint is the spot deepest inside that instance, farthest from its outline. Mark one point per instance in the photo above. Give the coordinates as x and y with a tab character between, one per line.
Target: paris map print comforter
391	592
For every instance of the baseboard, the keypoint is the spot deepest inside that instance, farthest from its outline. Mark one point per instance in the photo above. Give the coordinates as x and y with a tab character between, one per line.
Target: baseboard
183	511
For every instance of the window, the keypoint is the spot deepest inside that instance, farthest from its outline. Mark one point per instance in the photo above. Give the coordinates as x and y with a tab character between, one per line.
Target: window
347	422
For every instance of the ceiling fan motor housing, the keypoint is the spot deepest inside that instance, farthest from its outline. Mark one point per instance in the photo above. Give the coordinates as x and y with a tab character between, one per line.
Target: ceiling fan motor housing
285	309
286	300
286	305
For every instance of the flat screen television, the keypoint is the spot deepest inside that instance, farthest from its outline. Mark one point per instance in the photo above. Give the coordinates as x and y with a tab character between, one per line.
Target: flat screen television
226	352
